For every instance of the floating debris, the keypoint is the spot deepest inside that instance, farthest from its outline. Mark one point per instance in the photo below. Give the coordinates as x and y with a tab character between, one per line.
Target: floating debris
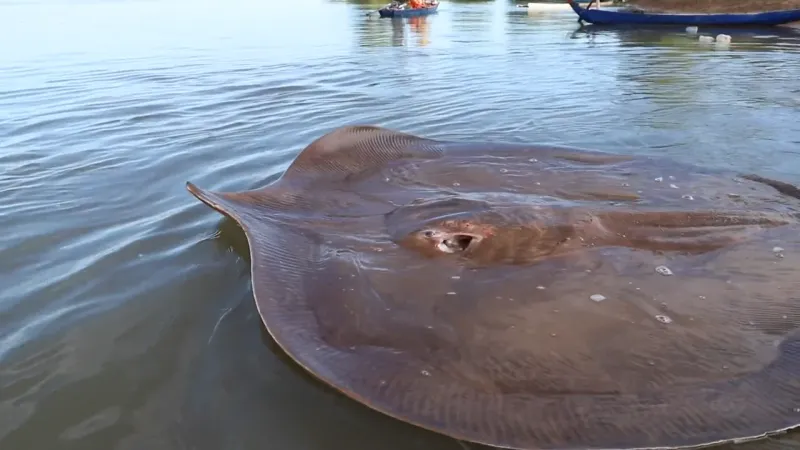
663	319
705	39
691	30
723	38
426	373
673	186
687	197
597	298
659	179
777	249
663	270
540	288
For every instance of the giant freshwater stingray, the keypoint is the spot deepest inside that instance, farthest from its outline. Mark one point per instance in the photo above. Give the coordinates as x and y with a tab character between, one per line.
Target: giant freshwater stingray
528	296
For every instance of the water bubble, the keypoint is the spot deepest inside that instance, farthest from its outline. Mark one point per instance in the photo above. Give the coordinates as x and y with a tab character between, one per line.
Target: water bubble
663	319
671	177
597	297
533	160
456	277
540	287
456	184
451	293
663	270
503	170
687	197
425	372
659	179
552	335
777	249
673	186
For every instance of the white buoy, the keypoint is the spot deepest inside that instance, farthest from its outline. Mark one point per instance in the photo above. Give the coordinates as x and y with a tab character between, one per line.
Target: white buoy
723	38
705	39
691	30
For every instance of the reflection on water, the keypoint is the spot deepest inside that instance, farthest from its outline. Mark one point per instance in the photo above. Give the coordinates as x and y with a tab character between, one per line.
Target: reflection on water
403	31
128	320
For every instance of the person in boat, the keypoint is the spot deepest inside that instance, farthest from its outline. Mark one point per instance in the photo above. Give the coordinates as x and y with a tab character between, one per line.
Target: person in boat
416	4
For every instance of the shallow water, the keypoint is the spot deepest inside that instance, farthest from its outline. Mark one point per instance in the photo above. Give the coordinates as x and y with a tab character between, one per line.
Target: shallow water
127	316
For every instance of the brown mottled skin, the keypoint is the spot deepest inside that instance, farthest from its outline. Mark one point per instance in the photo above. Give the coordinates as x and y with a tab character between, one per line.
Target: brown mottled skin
452	285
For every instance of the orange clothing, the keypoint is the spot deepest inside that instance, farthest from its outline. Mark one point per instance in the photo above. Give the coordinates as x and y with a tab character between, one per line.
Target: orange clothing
416	4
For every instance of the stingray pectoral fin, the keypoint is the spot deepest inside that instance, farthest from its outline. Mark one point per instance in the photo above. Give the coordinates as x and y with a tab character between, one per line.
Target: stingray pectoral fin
348	152
283	264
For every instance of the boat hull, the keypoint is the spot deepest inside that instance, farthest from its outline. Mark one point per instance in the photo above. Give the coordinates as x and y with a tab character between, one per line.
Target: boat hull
388	12
601	17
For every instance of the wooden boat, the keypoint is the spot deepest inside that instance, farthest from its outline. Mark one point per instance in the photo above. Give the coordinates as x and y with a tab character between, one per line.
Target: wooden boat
401	11
601	17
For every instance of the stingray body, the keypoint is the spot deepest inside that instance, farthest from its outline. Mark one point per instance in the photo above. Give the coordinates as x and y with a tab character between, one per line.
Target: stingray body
532	297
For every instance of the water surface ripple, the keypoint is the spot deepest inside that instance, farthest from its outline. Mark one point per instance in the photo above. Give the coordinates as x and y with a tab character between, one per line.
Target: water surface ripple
127	316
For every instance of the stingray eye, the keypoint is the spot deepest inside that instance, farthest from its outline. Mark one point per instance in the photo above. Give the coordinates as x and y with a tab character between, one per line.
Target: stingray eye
428	233
456	243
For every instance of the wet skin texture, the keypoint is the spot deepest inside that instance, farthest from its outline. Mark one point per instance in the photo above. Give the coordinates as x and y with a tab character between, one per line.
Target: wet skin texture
448	284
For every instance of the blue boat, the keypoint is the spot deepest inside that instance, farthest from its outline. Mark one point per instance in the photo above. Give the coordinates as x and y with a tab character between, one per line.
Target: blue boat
392	11
605	17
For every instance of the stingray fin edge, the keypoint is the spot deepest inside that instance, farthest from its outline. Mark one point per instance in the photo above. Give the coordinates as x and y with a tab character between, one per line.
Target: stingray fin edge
218	201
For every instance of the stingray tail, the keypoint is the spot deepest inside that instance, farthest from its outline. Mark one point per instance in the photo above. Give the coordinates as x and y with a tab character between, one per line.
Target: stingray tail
780	186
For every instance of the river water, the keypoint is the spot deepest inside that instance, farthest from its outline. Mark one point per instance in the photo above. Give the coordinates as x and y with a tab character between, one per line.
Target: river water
127	317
